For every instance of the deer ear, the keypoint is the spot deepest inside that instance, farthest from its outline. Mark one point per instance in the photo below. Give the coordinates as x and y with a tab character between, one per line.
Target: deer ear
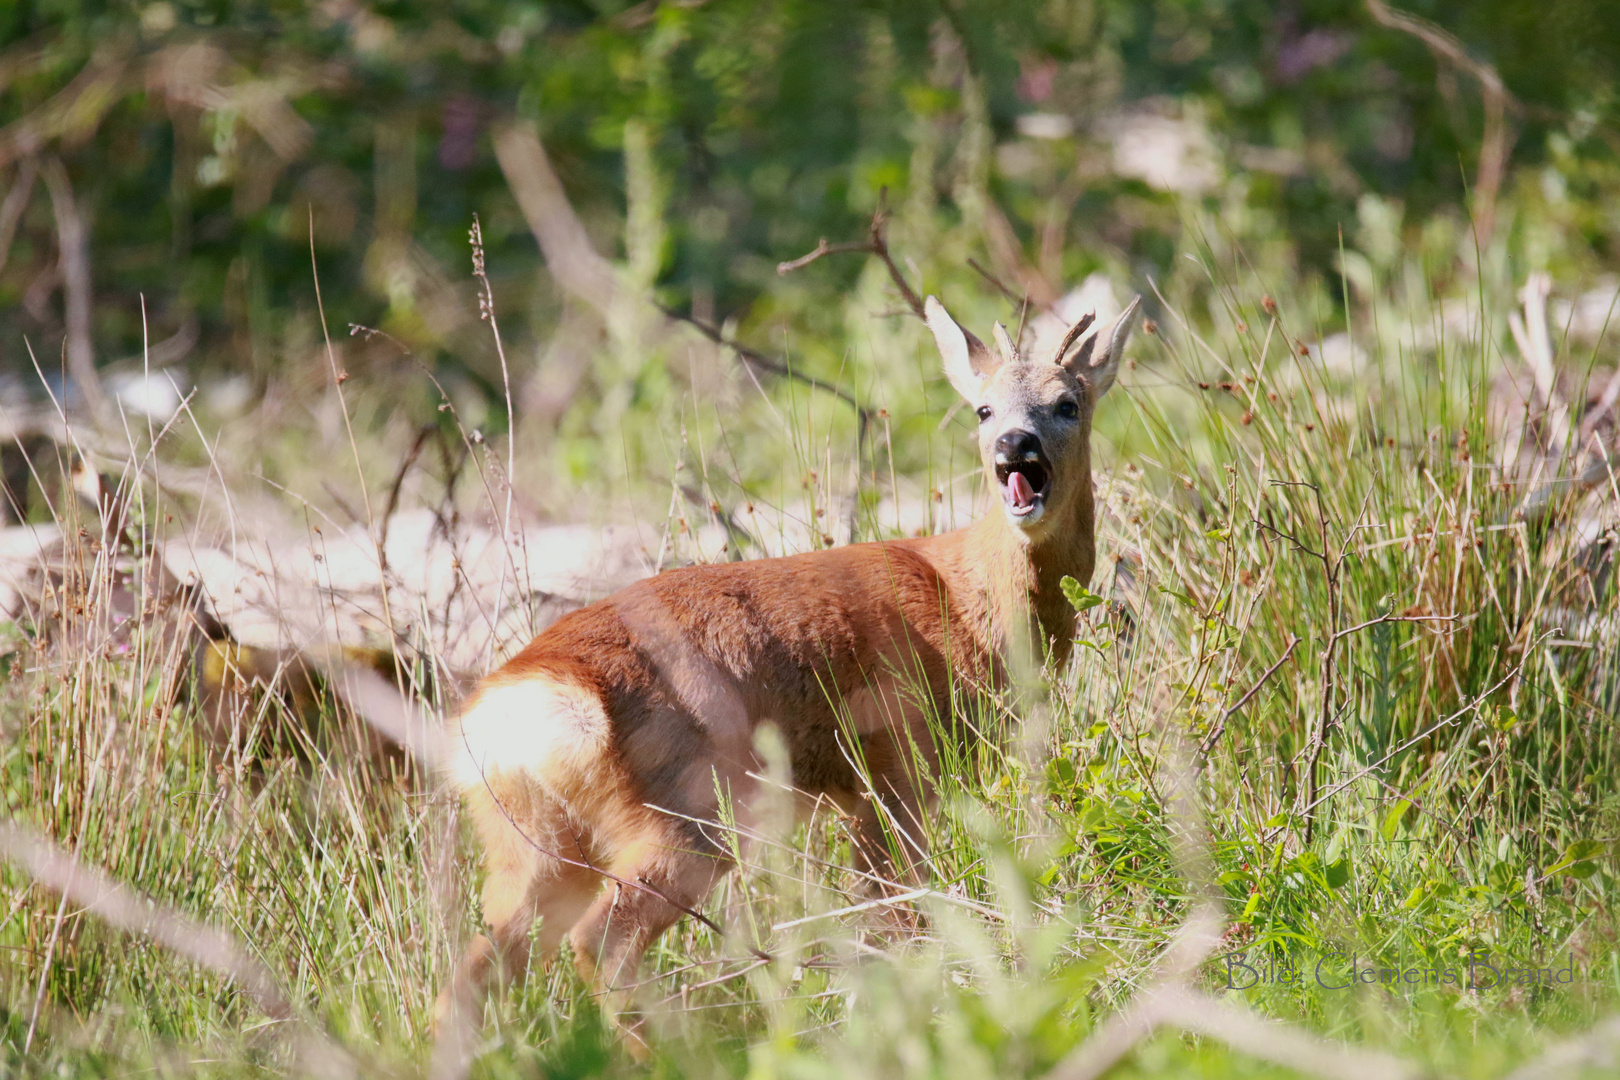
967	361
1098	367
1004	344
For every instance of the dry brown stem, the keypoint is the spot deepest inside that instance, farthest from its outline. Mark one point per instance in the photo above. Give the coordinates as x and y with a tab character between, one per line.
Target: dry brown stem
1215	732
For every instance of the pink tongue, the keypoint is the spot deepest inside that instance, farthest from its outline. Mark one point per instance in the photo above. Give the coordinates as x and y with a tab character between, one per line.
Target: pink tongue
1022	494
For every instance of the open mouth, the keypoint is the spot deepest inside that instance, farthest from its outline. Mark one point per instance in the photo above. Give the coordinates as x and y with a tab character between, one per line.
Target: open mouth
1024	485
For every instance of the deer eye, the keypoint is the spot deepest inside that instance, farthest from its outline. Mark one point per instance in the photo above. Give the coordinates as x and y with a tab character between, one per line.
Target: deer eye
1068	409
984	412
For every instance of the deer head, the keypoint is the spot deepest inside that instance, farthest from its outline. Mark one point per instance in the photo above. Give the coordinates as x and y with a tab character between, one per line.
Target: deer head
1035	414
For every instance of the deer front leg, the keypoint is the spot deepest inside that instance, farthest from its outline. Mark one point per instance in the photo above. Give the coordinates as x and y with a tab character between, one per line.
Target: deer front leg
891	841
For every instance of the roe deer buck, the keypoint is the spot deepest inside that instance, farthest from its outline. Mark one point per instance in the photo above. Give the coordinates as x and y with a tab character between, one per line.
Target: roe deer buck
590	759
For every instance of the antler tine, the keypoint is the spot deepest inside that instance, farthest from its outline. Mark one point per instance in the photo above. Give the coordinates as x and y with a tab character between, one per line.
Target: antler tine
1073	335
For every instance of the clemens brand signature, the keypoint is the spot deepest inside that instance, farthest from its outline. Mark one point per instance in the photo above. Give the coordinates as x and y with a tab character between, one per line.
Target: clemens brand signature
1340	971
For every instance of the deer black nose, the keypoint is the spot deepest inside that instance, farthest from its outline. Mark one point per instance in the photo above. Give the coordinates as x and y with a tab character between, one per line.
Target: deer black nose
1018	445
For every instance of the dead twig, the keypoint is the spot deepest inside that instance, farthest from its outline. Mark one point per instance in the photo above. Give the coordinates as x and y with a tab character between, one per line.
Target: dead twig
73	239
122	907
1597	1048
425	432
756	359
1535	346
877	244
1215	732
580	270
999	285
1496	141
1308	797
824	248
16	201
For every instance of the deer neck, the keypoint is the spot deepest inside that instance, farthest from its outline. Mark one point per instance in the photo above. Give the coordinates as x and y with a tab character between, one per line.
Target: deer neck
1019	580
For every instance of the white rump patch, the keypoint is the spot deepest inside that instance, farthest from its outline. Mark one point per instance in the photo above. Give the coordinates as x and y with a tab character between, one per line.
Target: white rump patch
538	727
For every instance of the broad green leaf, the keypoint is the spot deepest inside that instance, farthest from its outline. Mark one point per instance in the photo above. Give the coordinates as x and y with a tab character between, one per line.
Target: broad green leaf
1578	860
1080	597
1337	873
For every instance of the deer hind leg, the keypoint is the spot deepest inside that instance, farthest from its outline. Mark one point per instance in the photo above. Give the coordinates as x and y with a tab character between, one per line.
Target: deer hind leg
672	867
525	881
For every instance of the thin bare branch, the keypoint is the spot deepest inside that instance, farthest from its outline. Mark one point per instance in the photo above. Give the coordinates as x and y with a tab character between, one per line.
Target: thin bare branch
124	908
570	256
877	244
1496	142
1356	629
999	285
1598	1048
16	201
581	271
74	240
1215	732
823	248
759	360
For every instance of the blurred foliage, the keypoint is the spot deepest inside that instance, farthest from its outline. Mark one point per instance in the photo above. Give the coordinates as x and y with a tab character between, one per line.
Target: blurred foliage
212	144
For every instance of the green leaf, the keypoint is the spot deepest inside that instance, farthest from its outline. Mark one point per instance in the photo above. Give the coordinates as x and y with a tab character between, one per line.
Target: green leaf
1578	860
1504	878
1337	873
1250	907
1080	597
1186	601
1392	820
